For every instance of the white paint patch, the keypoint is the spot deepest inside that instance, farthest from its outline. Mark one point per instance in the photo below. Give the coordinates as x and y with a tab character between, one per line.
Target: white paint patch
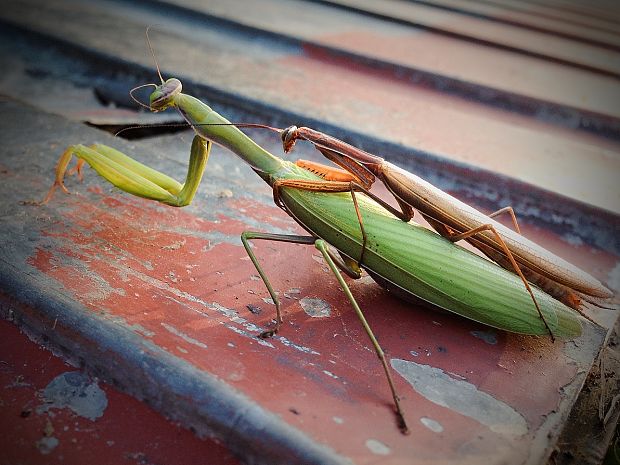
377	447
183	336
47	444
75	390
431	424
462	397
338	420
316	308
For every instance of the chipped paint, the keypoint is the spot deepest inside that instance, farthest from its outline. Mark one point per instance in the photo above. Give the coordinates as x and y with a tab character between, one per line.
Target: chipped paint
183	336
377	447
431	424
316	308
76	391
46	444
461	397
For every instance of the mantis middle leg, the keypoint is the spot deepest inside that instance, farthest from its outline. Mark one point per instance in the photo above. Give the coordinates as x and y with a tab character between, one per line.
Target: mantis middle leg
322	246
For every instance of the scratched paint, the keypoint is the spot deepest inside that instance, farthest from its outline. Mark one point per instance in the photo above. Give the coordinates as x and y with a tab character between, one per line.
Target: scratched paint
183	336
76	391
461	397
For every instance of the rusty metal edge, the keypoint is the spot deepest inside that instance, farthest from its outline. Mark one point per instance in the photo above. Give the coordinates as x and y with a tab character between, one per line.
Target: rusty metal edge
563	215
179	391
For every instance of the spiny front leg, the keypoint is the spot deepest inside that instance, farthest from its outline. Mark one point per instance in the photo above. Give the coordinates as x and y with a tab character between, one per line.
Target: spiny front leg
135	178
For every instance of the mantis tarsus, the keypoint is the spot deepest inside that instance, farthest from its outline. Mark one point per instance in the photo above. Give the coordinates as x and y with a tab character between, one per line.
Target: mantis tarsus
399	255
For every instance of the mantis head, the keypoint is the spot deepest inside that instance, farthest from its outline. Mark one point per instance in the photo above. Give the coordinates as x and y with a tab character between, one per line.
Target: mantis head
163	95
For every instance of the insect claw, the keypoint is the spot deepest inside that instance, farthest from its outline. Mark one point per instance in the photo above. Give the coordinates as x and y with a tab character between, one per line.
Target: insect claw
402	424
50	193
268	334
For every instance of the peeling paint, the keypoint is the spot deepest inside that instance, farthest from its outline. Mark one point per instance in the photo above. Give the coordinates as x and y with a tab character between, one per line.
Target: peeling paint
461	397
74	390
183	336
316	308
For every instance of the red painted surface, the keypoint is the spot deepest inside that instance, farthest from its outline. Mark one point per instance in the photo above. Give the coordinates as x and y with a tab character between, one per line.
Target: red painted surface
128	432
143	264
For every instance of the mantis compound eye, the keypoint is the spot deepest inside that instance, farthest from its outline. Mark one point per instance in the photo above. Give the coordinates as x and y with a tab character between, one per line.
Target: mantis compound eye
163	96
289	136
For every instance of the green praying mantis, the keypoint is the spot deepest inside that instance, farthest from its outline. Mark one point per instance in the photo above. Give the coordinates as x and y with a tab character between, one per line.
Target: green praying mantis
352	229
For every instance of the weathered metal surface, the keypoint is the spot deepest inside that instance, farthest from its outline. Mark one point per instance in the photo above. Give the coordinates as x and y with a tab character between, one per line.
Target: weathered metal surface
572	52
552	20
163	302
50	412
155	299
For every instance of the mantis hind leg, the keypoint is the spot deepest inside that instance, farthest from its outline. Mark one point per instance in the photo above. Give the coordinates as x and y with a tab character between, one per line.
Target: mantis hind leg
132	176
322	247
331	262
446	232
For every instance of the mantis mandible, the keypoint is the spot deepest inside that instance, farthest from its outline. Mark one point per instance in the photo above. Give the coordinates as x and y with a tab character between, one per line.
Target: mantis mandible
401	256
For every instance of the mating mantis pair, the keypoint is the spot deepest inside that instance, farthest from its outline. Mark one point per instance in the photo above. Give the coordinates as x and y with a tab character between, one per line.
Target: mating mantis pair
353	229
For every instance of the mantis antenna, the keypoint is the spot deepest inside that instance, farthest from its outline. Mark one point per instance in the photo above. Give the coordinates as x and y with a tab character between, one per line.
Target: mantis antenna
148	42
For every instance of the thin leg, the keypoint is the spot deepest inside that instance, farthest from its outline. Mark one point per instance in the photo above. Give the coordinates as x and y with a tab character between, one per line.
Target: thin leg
322	246
513	262
77	169
247	236
135	178
511	212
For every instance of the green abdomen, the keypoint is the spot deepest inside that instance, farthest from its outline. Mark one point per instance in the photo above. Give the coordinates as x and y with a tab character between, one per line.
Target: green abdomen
420	262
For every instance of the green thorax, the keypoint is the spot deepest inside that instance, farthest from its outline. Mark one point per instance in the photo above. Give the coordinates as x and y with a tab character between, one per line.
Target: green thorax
211	125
